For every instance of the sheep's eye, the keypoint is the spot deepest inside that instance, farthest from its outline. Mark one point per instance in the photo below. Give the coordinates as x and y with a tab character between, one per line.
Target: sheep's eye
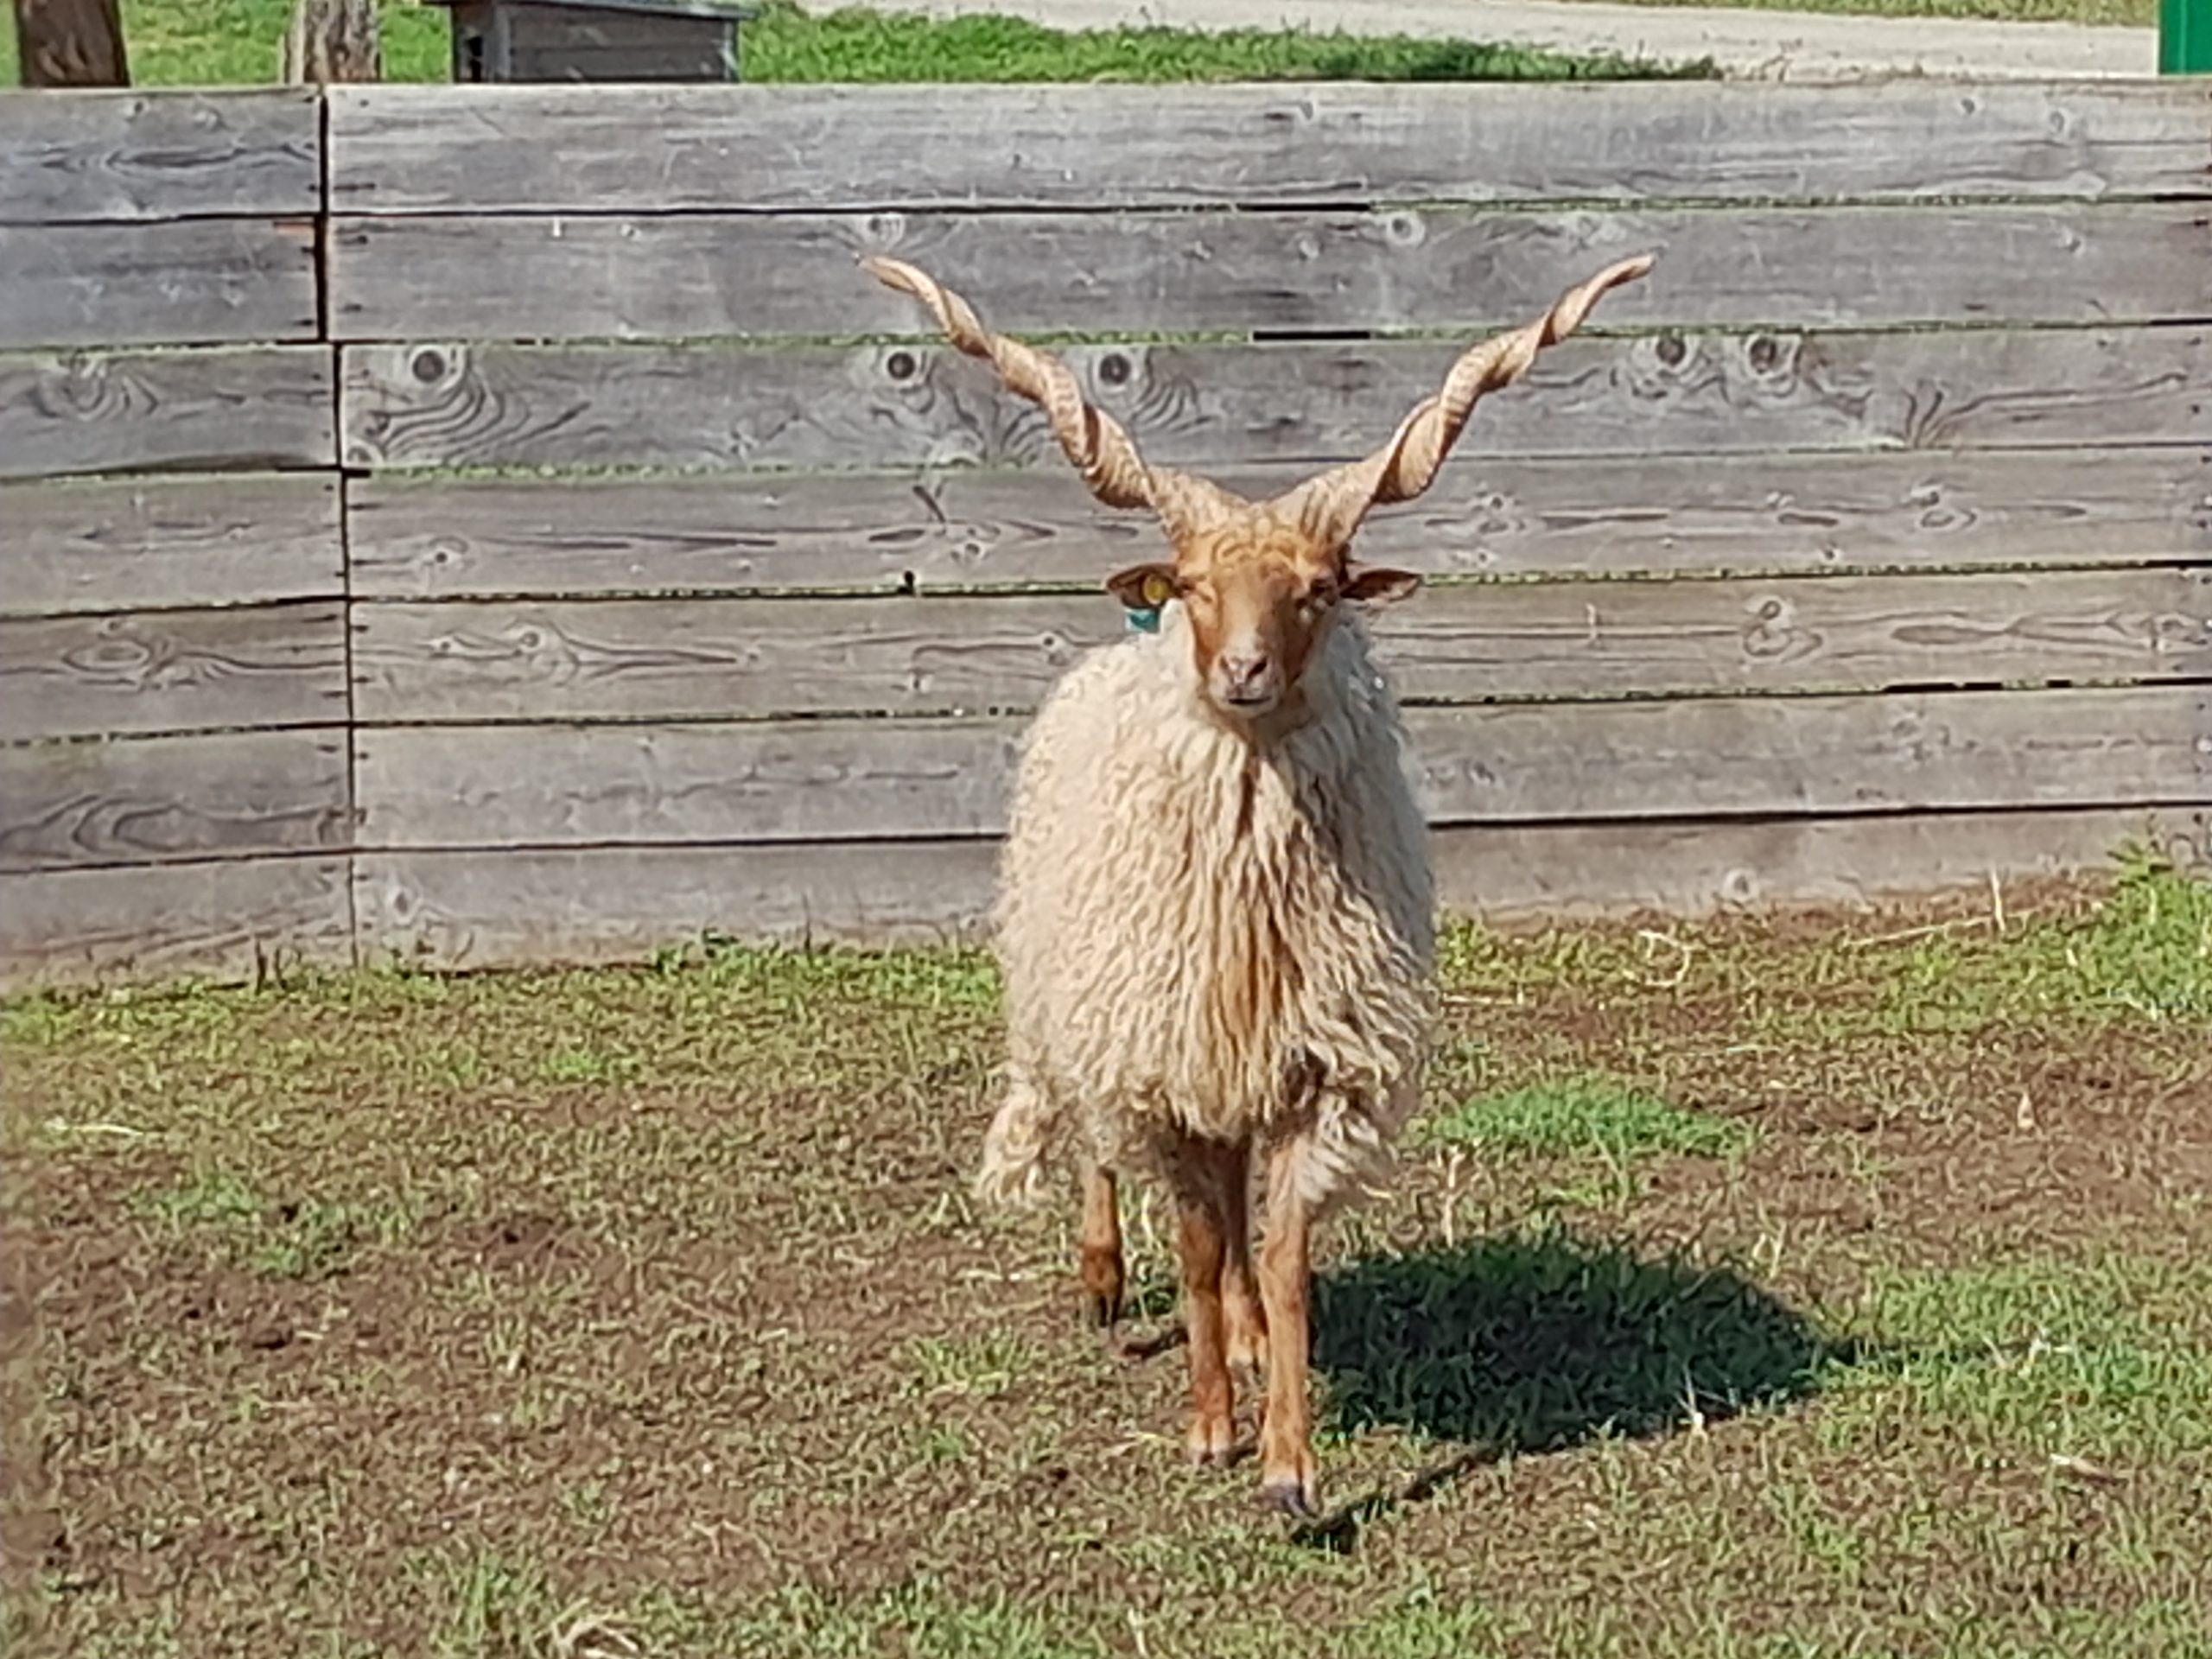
1319	597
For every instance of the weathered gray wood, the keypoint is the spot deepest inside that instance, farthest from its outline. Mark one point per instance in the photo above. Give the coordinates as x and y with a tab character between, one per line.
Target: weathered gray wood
230	918
859	780
149	544
172	671
140	156
159	411
191	282
470	909
1519	873
476	277
394	149
427	786
712	658
484	909
889	406
161	800
436	538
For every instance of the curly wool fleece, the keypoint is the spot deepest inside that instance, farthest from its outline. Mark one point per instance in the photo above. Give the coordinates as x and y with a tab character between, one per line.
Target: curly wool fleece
1207	932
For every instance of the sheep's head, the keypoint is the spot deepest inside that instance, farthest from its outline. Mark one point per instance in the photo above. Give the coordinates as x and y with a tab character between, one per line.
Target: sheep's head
1260	582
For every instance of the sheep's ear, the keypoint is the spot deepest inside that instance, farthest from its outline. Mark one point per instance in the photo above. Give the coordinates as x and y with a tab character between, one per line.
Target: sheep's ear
1144	586
1376	585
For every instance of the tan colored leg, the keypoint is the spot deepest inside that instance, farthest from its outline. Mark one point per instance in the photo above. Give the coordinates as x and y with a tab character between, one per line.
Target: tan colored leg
1245	1320
1288	1472
1099	1254
1200	1199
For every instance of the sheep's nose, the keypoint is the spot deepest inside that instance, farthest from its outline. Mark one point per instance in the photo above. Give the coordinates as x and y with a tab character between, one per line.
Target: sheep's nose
1243	670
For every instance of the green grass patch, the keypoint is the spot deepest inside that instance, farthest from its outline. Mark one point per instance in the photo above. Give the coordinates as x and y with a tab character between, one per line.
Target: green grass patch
306	1238
1592	1114
235	43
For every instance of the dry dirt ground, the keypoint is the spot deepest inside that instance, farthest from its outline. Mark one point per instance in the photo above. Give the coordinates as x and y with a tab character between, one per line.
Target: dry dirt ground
1828	1284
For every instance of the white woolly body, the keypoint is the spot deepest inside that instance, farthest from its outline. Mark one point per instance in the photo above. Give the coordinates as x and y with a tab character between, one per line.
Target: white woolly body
1210	931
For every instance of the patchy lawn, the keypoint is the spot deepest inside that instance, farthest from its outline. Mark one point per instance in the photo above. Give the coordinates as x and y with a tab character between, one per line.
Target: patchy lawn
234	42
1806	1286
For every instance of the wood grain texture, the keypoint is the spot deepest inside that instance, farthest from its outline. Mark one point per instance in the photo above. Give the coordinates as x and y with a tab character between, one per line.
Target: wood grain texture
467	909
461	909
428	786
547	149
157	800
435	538
229	919
1512	873
859	780
715	657
473	277
191	282
172	671
887	406
149	544
142	156
253	407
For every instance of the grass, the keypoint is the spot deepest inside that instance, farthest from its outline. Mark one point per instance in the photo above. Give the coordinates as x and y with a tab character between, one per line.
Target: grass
234	42
1756	1289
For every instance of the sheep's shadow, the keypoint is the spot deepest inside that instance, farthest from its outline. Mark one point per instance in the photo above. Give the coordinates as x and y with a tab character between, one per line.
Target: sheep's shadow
1523	1343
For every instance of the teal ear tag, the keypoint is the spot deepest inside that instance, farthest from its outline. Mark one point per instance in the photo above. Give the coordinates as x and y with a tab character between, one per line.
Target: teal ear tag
1145	618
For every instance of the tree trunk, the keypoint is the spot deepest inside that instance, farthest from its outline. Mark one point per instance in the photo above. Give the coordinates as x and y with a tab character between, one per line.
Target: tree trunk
71	43
331	40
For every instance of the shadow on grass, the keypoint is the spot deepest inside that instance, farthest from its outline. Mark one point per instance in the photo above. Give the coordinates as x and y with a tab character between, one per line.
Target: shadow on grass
1526	1343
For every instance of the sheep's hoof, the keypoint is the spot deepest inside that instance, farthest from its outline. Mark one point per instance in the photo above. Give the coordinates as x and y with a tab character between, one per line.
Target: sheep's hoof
1101	1313
1292	1496
1135	1351
1211	1443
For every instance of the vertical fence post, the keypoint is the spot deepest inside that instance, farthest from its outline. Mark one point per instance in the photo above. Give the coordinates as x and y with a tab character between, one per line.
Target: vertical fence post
2185	37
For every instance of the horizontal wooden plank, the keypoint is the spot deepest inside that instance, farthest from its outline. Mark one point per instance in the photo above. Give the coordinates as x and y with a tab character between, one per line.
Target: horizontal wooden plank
467	277
714	658
427	786
144	543
166	411
172	671
892	779
189	283
481	910
460	909
880	406
417	536
229	919
165	154
559	148
156	800
1516	874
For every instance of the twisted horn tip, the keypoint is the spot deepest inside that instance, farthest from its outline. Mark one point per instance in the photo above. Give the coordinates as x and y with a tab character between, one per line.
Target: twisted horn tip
1628	270
891	273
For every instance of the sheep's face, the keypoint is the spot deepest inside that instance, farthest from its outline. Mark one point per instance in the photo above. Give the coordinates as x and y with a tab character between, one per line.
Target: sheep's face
1262	594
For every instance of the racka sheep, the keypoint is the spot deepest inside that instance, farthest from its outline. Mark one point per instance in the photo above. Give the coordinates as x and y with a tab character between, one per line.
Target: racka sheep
1215	917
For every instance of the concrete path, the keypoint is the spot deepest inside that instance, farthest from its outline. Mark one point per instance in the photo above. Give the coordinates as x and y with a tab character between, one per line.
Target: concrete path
1798	46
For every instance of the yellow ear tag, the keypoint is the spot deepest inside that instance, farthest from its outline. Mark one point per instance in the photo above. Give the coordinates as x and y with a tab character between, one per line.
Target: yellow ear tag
1157	590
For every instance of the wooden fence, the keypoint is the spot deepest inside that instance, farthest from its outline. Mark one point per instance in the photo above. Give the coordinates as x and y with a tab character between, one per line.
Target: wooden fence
454	525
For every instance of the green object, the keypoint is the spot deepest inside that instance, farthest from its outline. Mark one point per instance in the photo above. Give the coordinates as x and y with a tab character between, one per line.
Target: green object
2185	37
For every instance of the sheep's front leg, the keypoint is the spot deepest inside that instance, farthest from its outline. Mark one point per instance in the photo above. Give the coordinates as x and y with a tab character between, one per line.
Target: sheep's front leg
1287	1473
1203	1240
1105	1277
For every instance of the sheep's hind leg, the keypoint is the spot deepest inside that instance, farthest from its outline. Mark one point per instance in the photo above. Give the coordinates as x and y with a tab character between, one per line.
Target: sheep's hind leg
1242	1314
1201	1199
1099	1260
